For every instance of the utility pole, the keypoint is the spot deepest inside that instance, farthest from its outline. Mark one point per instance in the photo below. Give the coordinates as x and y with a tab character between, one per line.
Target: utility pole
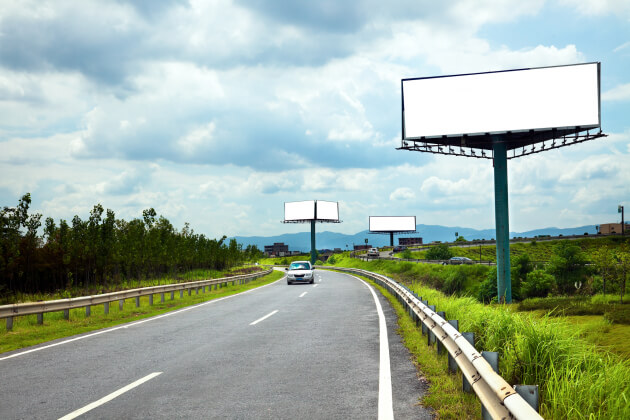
620	210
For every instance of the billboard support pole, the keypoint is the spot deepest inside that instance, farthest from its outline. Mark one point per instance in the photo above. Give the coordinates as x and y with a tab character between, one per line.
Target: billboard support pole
502	221
313	251
391	238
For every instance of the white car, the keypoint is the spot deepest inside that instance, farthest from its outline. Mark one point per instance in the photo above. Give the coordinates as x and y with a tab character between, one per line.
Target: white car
373	252
300	272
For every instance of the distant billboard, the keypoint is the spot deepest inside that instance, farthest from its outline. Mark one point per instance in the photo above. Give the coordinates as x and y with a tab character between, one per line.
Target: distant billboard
563	98
299	210
392	223
327	210
305	210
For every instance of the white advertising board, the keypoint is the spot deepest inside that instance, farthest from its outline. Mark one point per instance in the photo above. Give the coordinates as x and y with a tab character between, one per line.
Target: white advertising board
299	210
327	210
498	102
392	223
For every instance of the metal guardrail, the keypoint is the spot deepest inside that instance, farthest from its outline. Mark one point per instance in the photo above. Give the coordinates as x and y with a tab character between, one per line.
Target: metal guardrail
499	398
39	308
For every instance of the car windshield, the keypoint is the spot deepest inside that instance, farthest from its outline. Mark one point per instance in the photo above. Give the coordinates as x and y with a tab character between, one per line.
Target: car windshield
299	266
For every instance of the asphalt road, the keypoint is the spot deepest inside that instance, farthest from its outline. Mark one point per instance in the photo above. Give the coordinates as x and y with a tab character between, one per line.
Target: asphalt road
276	352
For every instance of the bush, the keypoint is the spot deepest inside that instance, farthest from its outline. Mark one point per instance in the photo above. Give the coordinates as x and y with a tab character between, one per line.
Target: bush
619	315
331	260
406	254
439	252
454	282
488	289
537	284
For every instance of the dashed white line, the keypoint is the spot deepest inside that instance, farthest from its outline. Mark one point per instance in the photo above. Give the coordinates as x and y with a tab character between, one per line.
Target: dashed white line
109	397
264	317
302	295
315	285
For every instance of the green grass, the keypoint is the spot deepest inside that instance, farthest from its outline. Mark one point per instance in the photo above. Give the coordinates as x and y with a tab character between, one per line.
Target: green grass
444	396
26	332
577	379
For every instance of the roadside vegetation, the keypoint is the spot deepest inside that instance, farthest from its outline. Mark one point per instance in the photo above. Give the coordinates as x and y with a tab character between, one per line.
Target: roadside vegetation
26	332
102	253
578	379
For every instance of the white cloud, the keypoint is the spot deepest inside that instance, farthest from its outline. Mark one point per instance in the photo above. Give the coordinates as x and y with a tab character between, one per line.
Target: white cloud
402	193
618	93
600	7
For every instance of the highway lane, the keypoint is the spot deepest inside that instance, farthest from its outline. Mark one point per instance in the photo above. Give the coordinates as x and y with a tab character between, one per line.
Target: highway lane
301	351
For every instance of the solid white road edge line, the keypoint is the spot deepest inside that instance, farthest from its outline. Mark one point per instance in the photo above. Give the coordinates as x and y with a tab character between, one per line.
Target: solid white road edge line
109	397
385	400
303	293
264	317
133	324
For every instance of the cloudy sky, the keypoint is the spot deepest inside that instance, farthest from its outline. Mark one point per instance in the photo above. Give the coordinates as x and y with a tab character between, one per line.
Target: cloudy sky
217	112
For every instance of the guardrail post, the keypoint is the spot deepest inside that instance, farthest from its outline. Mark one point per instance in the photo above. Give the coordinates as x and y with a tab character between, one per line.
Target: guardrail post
137	301
121	302
106	308
66	314
466	387
189	291
88	310
40	318
492	357
151	300
203	289
452	364
430	335
181	294
529	394
172	295
424	327
440	347
162	297
9	323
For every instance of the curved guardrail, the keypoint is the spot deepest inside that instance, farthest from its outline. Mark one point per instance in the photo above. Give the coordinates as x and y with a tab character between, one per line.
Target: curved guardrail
499	398
30	308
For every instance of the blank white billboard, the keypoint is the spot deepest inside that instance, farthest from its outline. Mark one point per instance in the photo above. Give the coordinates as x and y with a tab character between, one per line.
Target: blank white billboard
327	210
299	210
498	102
392	223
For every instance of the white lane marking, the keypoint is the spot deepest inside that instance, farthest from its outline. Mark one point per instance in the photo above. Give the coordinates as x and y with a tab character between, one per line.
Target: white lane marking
133	324
109	397
302	295
264	317
315	285
385	402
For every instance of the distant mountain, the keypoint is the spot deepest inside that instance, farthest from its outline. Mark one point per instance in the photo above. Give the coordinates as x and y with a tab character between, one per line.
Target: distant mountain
429	233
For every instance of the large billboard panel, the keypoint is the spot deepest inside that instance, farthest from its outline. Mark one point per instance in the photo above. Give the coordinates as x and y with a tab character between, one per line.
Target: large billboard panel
299	210
563	97
327	210
392	223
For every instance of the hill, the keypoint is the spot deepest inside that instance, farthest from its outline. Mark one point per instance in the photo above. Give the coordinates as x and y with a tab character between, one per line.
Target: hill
329	240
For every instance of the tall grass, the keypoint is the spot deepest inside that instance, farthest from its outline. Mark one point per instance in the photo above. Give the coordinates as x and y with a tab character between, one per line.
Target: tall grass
577	380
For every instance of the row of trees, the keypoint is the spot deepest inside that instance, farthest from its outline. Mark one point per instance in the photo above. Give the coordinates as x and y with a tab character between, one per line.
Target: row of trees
568	272
102	250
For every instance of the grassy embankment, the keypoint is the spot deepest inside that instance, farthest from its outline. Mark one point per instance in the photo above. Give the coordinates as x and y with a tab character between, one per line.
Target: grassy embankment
577	379
537	250
26	332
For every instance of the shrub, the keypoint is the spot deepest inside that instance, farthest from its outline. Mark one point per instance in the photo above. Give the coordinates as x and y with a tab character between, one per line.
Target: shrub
537	284
454	282
439	252
406	254
488	289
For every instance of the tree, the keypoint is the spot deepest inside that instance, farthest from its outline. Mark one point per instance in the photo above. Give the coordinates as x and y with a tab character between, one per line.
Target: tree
605	264
623	258
538	283
568	266
439	252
